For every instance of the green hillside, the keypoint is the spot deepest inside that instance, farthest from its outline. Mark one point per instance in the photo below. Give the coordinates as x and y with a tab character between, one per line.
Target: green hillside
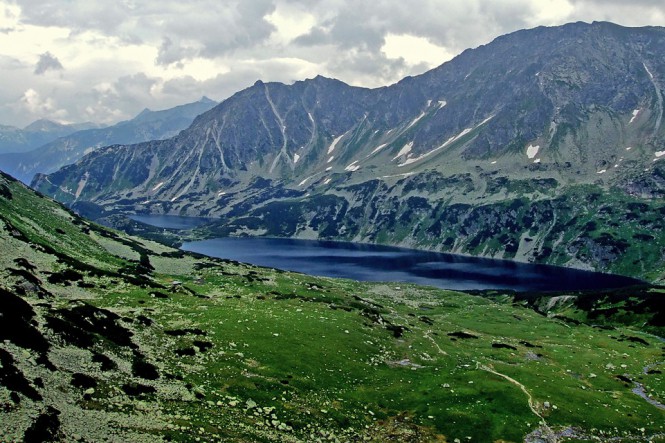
105	337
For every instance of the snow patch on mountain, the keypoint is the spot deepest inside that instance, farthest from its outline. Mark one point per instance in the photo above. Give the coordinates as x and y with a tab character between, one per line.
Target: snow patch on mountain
377	149
416	120
405	150
409	161
305	180
532	151
333	145
353	167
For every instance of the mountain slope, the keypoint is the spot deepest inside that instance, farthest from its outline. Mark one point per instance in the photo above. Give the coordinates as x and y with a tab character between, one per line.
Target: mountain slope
108	337
509	131
148	125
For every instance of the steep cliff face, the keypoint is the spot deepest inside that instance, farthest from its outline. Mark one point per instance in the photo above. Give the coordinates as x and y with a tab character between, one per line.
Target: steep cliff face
531	120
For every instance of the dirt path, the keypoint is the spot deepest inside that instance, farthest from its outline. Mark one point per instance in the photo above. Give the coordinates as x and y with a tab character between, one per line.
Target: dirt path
551	436
436	345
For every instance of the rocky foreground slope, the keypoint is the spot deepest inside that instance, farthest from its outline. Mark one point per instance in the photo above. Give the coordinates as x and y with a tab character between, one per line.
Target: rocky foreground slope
106	337
544	145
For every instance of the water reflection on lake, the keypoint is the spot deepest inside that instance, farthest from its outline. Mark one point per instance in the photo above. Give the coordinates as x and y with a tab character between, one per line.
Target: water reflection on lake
382	263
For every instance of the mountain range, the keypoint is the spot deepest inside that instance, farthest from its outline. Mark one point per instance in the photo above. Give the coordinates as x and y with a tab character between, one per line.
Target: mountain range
37	133
545	145
68	148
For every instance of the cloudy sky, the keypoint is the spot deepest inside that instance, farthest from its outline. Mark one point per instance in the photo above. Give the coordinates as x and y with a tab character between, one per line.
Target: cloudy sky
106	60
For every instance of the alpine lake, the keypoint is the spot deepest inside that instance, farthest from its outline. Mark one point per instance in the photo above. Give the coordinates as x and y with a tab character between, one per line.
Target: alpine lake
369	262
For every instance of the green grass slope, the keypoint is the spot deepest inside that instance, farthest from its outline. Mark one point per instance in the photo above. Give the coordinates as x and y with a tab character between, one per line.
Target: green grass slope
105	337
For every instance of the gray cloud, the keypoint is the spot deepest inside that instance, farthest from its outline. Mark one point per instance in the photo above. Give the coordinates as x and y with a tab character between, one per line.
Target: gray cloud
47	61
170	53
345	40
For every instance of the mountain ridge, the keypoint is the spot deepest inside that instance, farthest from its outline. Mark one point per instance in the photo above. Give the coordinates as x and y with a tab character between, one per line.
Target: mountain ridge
147	125
536	116
37	133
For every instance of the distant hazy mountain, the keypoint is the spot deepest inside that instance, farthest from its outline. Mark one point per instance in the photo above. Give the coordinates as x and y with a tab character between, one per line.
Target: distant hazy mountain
148	125
13	139
545	145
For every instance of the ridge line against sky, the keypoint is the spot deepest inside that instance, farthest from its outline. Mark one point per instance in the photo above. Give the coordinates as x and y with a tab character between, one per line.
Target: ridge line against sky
105	61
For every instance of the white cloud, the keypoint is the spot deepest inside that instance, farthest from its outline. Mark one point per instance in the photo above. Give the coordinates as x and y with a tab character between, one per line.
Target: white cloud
37	105
414	50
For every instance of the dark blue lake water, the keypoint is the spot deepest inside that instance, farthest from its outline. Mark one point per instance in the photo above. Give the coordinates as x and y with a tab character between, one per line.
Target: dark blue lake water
381	263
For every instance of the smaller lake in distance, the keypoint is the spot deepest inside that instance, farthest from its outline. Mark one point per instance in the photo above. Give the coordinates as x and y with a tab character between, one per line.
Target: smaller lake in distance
383	263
